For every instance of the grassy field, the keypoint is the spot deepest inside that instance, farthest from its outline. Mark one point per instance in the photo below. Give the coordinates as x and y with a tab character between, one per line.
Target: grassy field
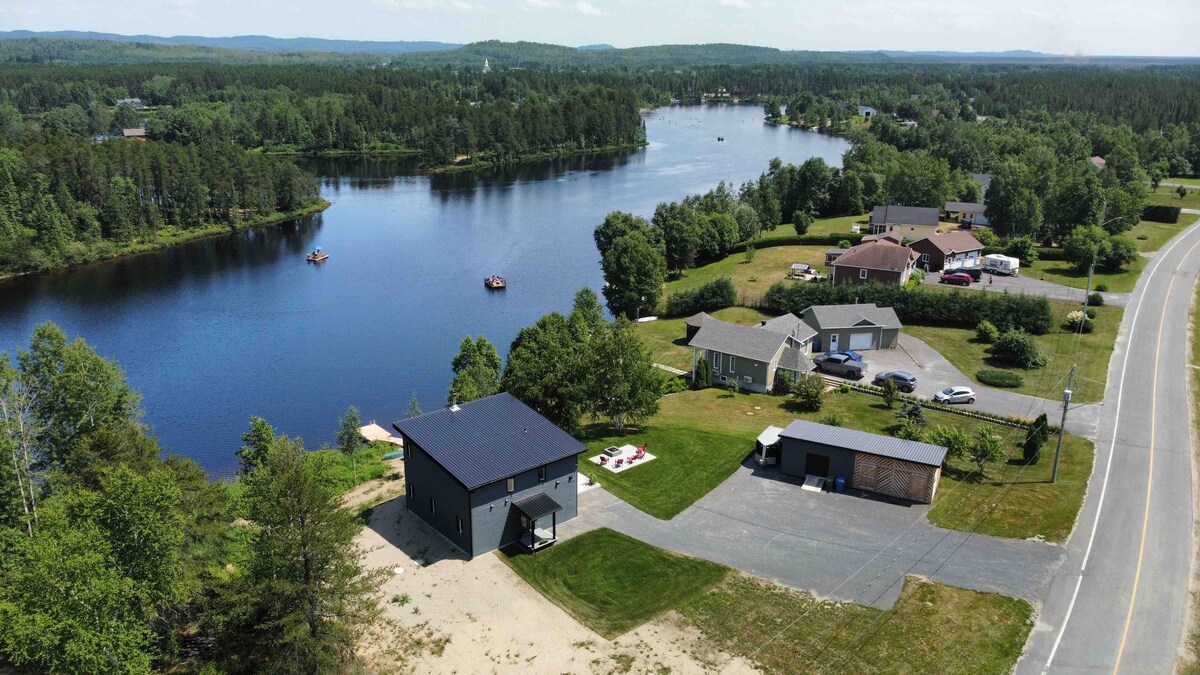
1063	272
750	278
1194	182
701	437
613	583
961	349
1168	197
933	628
665	337
1158	234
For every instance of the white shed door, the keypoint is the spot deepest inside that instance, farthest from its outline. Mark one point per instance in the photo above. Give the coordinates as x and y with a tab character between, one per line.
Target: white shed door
862	341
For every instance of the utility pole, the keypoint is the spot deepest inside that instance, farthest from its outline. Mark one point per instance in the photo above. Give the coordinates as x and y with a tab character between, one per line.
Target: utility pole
1063	425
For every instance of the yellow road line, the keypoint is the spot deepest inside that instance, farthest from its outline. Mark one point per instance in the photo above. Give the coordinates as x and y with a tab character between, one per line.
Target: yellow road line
1137	574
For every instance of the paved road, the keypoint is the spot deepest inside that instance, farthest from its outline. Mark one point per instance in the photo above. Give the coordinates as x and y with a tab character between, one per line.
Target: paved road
1118	602
1031	285
762	523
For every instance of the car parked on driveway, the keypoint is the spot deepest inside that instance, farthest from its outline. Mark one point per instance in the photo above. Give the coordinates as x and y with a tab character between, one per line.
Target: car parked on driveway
975	273
955	395
841	364
905	382
959	278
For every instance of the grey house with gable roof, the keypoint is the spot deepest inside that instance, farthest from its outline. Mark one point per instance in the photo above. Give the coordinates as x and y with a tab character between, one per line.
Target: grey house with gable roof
857	327
753	355
490	473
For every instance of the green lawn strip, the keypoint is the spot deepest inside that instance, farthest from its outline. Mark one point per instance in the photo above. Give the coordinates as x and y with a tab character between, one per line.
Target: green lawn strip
751	279
932	628
701	437
1195	182
1158	234
665	338
1063	272
1189	662
959	347
1166	196
613	583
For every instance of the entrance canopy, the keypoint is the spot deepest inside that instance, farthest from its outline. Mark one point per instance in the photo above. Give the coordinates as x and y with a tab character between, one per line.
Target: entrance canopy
537	506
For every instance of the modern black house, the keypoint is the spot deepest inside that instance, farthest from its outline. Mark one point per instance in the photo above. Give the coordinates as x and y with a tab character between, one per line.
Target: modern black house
490	473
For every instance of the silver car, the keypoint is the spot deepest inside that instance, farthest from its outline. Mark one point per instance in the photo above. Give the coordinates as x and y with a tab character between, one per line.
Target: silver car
955	395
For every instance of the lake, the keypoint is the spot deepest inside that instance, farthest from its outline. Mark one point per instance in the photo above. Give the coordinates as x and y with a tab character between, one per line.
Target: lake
217	330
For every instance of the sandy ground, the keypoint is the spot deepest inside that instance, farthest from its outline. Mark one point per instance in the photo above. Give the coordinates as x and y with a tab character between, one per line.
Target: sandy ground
390	485
451	615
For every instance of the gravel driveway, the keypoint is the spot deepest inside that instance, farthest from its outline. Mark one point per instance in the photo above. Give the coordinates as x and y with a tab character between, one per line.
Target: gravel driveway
1032	286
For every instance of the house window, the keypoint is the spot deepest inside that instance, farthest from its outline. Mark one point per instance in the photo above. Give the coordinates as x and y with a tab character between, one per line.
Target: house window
925	257
541	474
432	505
716	361
732	362
408	488
458	524
862	274
510	485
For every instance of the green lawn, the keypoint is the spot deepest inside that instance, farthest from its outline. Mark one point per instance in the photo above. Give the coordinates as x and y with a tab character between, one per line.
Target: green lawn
1062	272
751	279
1194	182
665	338
1168	197
1158	234
613	583
932	628
1189	663
959	347
701	437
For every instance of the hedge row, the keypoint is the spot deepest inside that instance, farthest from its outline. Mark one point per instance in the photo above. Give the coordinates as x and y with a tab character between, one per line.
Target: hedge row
1161	214
1000	378
831	241
716	294
918	306
1002	420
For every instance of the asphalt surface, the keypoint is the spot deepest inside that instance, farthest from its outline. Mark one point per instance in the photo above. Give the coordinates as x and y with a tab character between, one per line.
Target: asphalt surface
1118	602
854	546
1029	285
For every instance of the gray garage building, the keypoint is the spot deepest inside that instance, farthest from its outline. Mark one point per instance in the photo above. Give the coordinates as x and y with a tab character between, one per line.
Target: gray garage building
490	473
883	464
857	327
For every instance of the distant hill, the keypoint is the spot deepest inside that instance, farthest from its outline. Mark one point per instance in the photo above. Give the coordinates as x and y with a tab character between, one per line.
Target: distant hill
257	43
594	48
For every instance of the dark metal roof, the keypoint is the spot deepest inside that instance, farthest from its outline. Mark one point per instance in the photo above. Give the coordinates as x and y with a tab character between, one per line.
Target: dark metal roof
489	439
537	505
861	441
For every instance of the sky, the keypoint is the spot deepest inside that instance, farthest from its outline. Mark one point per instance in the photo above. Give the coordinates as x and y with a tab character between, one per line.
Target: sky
1083	27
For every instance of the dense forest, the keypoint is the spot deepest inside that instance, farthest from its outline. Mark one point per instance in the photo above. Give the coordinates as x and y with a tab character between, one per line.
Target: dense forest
117	559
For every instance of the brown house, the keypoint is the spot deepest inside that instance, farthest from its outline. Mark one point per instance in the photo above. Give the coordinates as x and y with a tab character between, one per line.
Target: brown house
880	262
948	251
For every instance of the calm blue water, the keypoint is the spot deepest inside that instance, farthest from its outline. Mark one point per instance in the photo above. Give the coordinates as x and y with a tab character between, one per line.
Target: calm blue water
216	331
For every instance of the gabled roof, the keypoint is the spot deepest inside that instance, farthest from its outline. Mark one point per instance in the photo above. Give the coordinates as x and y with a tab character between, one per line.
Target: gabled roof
489	439
789	324
965	207
905	215
794	359
750	342
877	255
952	242
698	319
881	237
861	441
848	316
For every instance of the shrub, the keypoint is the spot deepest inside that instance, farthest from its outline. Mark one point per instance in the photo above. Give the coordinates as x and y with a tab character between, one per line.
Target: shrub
844	389
703	379
802	220
809	392
1095	299
955	440
844	243
1091	312
716	294
1018	348
909	430
1143	237
986	237
917	276
784	381
734	386
913	412
750	253
986	449
1000	378
986	332
1035	438
1080	322
1101	288
890	393
831	419
674	385
1024	248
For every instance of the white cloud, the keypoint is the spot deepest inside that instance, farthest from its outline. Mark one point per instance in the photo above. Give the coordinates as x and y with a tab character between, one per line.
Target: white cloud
588	9
736	4
435	5
535	5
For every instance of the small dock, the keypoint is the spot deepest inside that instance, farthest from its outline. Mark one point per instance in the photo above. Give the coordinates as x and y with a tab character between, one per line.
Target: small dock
373	433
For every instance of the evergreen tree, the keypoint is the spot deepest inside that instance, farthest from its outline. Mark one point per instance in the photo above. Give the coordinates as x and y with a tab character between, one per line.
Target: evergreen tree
348	438
414	407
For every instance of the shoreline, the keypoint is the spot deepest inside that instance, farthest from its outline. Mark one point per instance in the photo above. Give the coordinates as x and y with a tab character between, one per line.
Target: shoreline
178	238
530	158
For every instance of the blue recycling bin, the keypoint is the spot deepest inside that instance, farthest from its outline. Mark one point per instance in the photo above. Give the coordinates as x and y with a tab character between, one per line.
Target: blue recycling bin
839	483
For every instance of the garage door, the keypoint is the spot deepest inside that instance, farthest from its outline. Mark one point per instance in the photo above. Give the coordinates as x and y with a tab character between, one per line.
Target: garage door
894	477
862	340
